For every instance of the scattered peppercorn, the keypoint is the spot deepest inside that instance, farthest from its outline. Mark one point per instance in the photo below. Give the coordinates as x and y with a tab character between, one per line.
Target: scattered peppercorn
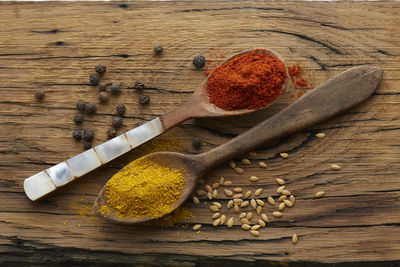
78	118
199	61
103	97
138	85
77	135
158	50
103	87
197	143
117	121
87	144
88	135
115	89
80	105
39	93
139	123
94	79
100	69
111	133
144	99
121	109
91	108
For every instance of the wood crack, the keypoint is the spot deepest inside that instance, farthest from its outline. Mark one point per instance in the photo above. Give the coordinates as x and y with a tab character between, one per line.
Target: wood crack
231	8
382	130
322	23
55	31
303	37
86	57
326	66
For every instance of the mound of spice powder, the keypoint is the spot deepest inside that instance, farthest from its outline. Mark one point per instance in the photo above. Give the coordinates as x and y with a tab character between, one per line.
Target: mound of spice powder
249	81
144	188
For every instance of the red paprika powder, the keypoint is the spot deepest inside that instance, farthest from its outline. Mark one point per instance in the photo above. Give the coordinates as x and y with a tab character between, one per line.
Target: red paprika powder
296	74
249	81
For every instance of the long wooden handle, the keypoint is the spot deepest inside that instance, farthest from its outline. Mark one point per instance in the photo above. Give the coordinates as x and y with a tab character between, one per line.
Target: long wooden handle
334	96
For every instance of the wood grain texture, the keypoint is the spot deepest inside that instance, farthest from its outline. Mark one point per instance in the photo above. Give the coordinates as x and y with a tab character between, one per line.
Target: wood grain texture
55	46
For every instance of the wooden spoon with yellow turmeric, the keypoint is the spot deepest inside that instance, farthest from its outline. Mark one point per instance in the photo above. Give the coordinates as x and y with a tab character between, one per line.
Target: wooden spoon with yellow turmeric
158	183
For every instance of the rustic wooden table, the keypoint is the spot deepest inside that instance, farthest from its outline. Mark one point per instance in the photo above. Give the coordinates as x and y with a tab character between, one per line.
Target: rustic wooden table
54	46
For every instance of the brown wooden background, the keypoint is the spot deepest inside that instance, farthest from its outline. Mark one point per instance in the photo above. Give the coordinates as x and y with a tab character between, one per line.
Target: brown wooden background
56	45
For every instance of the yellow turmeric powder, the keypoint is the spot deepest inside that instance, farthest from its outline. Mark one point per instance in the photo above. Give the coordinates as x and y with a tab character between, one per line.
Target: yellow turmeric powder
144	188
177	218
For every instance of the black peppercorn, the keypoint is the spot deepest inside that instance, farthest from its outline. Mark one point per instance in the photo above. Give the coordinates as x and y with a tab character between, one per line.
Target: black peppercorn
197	143
103	97
80	105
121	109
199	61
115	89
94	79
117	122
138	85
77	135
139	123
144	99
39	93
100	69
103	87
88	135
111	133
87	144
91	108
158	50
78	118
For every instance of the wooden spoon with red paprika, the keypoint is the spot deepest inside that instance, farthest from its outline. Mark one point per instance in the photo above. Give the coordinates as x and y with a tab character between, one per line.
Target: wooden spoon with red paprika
334	96
233	90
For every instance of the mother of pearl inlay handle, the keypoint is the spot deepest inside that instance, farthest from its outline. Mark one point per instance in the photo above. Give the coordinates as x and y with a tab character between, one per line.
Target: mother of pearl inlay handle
47	181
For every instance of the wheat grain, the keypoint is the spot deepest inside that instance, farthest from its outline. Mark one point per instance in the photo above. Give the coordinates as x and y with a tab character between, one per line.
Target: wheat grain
196	200
262	164
271	201
196	227
246	161
258	192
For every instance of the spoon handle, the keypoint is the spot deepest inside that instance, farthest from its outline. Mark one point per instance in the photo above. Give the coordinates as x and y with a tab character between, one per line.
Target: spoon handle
334	96
57	176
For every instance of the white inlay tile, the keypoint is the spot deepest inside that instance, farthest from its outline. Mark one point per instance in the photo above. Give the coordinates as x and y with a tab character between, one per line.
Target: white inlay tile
112	148
59	174
38	185
83	163
145	132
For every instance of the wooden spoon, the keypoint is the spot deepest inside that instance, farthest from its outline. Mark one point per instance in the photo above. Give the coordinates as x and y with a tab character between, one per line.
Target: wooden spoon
336	95
47	181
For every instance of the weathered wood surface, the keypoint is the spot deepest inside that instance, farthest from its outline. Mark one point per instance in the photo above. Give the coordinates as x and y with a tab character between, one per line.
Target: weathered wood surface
56	45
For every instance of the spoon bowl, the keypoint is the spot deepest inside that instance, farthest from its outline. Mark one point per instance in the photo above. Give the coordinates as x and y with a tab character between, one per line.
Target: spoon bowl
173	160
201	94
334	96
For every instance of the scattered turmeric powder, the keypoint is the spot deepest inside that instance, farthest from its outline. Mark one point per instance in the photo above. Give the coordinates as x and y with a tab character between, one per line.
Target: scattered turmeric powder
157	145
176	218
144	188
85	210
